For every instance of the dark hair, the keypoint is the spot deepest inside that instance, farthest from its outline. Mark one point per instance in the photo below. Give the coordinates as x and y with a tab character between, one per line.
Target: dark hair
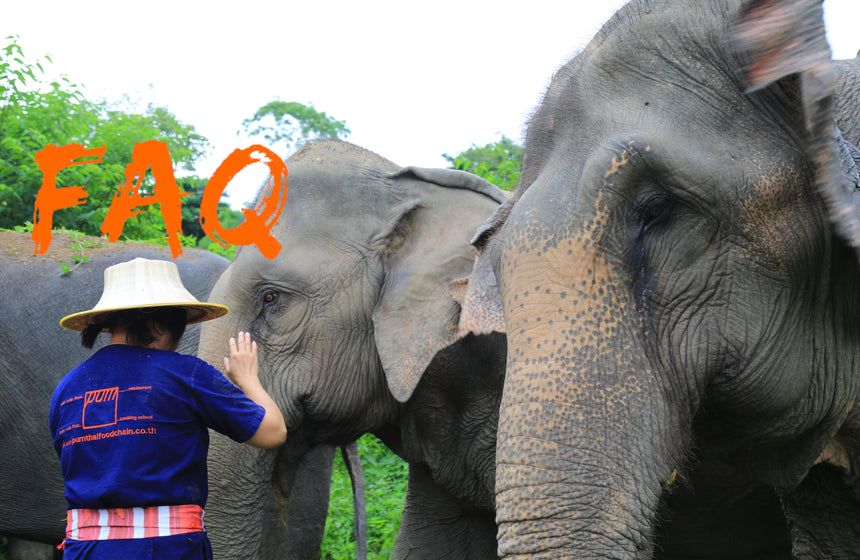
138	325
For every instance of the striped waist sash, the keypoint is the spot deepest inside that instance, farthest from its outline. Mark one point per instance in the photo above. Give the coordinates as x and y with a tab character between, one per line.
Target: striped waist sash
133	523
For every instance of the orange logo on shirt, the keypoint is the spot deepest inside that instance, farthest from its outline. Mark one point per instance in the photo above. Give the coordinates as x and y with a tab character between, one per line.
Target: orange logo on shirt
100	408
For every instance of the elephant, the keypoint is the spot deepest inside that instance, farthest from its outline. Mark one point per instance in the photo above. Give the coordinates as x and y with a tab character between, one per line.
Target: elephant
358	333
38	353
678	281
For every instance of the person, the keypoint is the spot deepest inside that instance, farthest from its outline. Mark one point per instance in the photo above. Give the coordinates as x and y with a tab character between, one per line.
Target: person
130	423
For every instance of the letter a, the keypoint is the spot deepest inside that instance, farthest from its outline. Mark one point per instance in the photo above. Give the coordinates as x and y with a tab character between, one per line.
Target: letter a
150	154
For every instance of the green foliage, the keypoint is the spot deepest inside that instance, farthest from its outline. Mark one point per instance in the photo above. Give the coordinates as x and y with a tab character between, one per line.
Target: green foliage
385	476
498	162
35	114
79	246
191	227
294	124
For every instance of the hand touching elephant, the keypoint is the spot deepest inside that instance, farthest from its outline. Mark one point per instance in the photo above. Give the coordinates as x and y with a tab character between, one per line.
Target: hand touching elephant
680	288
357	333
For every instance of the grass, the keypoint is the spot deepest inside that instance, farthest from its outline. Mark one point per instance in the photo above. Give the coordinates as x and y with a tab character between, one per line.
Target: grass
385	476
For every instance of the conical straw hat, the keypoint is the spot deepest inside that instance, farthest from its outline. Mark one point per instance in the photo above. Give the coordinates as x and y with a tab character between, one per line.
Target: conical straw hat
143	283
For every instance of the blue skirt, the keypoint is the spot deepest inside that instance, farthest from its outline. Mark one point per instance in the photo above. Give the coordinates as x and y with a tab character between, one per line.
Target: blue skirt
188	546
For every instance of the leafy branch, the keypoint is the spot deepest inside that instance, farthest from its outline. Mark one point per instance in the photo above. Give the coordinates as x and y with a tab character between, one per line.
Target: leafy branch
294	124
499	162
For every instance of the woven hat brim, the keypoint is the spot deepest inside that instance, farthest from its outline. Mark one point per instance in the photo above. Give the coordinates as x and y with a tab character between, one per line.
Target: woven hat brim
197	313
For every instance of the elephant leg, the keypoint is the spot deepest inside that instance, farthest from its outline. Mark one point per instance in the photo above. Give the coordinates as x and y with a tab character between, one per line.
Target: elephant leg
436	524
239	485
823	515
294	523
715	511
19	549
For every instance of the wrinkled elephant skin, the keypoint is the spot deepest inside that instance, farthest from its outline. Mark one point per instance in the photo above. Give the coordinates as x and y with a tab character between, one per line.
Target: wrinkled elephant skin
679	283
357	334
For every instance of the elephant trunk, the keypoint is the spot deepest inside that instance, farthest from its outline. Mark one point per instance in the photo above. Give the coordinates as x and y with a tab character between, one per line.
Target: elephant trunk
213	346
586	440
239	474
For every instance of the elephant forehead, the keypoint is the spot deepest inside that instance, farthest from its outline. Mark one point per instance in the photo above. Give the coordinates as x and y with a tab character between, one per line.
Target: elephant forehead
306	261
323	222
319	214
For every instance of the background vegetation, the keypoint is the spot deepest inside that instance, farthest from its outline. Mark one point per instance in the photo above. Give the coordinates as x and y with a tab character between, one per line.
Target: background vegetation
35	113
498	162
385	477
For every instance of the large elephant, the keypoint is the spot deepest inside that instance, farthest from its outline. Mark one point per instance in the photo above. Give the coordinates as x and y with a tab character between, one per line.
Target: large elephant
358	333
37	353
680	288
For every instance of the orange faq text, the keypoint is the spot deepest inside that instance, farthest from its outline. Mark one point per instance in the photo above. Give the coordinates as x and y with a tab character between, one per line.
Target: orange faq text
153	154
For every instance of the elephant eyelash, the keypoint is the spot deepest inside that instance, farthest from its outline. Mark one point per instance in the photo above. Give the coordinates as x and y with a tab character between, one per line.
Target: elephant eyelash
652	209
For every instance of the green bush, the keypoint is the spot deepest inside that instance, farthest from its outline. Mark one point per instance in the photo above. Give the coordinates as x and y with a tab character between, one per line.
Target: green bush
499	162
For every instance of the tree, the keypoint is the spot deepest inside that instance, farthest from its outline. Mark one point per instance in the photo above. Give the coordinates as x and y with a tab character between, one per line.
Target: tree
498	162
294	124
35	113
191	227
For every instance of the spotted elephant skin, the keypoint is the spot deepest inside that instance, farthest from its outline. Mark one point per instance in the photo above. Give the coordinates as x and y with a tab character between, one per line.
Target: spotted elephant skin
38	353
679	284
357	333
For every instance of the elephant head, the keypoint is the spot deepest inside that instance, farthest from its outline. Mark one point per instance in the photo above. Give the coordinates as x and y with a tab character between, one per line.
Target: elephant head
351	312
676	273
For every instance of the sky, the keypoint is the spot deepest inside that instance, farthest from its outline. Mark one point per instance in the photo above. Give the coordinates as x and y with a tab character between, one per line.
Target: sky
412	81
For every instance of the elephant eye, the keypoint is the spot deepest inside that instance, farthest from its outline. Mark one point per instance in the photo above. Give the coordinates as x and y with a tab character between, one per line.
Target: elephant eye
652	209
270	297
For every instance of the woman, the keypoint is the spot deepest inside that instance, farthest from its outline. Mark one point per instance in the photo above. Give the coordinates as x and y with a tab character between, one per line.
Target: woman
130	424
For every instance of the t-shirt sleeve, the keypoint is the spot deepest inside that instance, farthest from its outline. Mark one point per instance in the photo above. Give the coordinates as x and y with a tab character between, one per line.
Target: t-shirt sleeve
53	422
223	406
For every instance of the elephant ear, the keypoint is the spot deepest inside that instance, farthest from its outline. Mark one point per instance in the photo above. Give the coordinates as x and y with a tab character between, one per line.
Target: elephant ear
782	38
479	299
478	294
424	246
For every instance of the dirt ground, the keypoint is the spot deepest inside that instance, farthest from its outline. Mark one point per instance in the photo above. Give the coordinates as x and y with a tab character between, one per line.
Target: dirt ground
63	247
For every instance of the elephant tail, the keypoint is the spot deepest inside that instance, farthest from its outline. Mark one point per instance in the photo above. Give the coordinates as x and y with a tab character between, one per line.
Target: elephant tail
356	475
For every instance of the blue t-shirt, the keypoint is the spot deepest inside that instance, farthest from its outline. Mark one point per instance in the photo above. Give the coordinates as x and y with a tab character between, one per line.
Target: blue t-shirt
130	428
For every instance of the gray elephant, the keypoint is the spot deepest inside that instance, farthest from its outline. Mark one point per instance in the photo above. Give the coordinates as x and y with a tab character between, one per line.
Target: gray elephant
679	284
37	353
357	333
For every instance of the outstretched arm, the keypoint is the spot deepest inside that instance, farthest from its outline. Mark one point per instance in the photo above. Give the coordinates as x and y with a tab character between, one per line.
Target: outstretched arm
241	369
